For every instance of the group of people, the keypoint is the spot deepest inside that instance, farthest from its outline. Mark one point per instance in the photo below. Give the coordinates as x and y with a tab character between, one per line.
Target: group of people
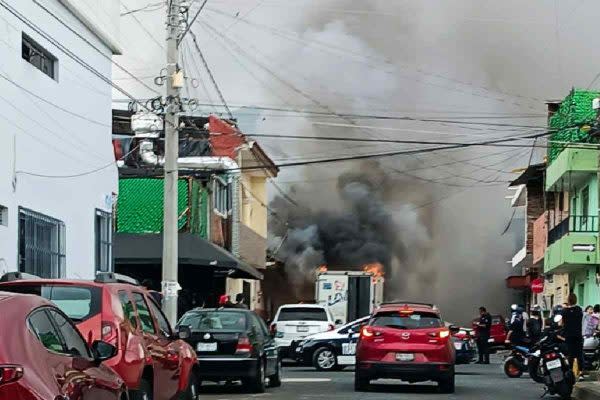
524	329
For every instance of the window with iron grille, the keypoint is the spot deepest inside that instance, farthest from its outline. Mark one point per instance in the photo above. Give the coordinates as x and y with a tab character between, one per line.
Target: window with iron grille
41	245
39	57
103	241
3	216
221	196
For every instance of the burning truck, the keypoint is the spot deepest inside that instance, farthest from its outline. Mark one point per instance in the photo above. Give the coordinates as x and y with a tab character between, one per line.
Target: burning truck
350	295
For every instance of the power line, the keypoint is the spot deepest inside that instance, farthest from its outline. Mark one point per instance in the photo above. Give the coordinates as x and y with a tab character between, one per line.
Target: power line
191	22
290	35
212	78
94	47
6	78
79	174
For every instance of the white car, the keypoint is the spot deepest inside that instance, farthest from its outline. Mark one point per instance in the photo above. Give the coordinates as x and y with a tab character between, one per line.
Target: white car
297	321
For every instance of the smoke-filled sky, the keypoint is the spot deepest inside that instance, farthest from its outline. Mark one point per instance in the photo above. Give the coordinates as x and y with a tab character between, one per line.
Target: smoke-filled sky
456	60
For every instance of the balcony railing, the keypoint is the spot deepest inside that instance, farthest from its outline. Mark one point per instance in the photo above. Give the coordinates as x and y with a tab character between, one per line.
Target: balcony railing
573	223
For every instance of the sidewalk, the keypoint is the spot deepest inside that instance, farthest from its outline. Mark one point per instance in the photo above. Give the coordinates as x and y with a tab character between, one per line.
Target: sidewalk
589	389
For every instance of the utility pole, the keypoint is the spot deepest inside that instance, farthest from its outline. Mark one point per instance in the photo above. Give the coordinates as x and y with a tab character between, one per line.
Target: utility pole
174	79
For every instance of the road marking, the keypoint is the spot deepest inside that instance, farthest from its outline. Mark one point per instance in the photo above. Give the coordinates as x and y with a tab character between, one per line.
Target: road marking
305	380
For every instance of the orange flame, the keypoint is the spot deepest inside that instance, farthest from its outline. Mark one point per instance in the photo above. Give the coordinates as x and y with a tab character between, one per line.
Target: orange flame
375	268
323	268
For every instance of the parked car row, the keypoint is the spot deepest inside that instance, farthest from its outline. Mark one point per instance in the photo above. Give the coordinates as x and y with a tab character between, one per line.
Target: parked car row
109	339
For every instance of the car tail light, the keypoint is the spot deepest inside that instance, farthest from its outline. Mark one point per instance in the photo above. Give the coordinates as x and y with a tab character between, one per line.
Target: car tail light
10	373
331	327
243	346
443	334
109	332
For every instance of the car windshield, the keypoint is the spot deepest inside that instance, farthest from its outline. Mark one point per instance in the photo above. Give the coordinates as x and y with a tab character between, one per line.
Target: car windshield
302	314
415	320
79	303
215	321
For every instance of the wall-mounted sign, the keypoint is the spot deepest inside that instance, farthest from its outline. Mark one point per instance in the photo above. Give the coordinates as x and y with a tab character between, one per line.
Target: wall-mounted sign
584	247
537	285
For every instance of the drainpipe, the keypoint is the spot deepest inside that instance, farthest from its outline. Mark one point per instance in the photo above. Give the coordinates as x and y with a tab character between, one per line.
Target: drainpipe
235	213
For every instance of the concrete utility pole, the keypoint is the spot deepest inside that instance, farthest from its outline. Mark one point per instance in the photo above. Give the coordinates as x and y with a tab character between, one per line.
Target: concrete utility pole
170	284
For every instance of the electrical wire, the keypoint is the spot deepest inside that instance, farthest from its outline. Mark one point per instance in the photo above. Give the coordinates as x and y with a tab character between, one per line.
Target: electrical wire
148	8
93	46
290	35
212	78
19	172
191	22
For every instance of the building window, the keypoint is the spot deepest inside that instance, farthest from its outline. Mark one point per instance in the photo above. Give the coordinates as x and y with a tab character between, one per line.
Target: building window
41	245
103	241
39	57
3	216
221	196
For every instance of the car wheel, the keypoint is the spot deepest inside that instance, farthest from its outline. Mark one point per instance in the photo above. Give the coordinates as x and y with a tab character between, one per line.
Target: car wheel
446	384
144	392
192	391
275	380
257	383
361	384
324	359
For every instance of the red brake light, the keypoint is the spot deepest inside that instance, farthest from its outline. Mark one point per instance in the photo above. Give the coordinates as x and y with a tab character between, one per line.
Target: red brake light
243	346
366	332
109	332
550	356
10	373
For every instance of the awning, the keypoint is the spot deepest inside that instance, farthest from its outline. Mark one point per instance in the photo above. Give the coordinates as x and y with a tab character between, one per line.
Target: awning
133	248
518	282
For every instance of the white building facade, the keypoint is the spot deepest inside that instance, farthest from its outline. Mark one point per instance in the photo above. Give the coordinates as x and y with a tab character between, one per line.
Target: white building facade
57	172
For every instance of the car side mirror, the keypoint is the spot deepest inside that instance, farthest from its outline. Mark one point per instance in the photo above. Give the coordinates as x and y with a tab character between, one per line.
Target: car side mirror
454	329
184	332
339	322
103	351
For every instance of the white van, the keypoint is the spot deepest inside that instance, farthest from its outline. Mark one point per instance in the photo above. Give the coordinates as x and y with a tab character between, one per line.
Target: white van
296	321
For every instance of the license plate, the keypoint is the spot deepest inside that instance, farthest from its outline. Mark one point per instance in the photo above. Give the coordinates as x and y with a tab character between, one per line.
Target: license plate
212	346
554	364
458	346
404	357
348	349
302	329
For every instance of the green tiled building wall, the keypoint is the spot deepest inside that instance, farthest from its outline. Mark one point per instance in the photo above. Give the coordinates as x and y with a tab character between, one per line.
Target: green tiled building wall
575	110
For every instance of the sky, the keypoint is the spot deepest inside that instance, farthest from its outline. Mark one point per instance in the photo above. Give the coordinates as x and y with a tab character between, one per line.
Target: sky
451	60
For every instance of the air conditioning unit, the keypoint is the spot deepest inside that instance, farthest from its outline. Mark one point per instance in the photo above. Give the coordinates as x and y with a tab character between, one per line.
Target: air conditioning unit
146	125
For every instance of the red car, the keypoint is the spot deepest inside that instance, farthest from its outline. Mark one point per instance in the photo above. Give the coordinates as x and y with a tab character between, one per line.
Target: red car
152	360
406	341
498	331
44	357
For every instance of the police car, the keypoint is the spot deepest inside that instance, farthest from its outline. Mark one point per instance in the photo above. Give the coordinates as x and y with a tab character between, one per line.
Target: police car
332	350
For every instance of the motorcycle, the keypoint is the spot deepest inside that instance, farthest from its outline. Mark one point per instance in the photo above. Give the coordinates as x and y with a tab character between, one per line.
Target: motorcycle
554	367
523	359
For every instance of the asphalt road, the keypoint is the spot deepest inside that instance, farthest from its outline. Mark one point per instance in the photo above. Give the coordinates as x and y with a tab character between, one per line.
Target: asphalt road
474	382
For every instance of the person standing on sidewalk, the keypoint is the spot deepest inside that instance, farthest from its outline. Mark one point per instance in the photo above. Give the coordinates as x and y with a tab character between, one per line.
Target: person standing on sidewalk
572	330
484	325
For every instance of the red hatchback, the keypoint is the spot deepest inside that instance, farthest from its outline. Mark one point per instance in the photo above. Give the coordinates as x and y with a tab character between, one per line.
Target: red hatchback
151	359
43	356
406	341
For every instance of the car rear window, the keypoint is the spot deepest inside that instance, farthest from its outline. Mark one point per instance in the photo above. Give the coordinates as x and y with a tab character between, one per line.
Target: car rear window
415	320
78	302
302	314
215	321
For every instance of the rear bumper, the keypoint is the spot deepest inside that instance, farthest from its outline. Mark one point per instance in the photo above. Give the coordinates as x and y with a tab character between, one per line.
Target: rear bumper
405	371
223	368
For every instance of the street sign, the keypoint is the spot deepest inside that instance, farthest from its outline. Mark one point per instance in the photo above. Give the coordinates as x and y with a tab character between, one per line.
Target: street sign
537	285
584	247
